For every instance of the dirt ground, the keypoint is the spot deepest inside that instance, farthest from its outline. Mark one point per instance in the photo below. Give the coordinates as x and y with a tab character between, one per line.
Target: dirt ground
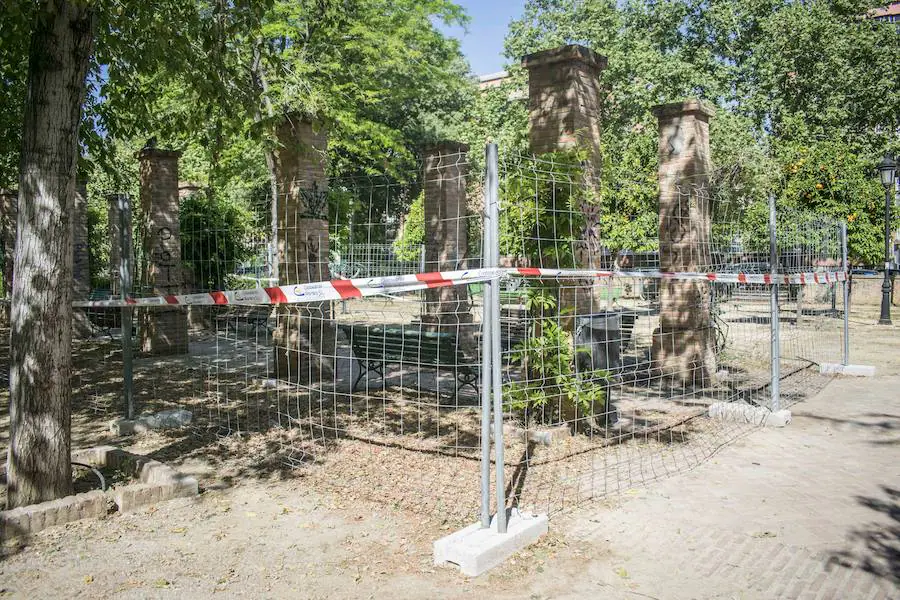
261	529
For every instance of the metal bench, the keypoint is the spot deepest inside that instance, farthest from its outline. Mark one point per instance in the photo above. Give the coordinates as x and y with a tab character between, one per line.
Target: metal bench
103	320
375	347
254	318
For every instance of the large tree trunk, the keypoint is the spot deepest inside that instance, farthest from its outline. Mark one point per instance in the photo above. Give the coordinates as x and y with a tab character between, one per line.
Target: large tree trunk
40	344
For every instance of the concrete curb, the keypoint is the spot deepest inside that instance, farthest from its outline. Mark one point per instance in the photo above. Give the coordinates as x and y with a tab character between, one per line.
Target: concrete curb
27	520
157	482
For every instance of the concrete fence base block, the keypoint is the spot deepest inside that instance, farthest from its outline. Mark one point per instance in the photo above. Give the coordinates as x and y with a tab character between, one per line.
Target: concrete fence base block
851	370
738	412
544	436
167	419
476	550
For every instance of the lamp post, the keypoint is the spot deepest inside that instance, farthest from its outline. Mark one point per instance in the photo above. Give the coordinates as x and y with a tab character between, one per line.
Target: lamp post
887	170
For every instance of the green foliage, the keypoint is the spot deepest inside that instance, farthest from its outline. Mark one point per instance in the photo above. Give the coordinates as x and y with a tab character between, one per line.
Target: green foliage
548	357
408	244
542	218
214	238
826	176
773	69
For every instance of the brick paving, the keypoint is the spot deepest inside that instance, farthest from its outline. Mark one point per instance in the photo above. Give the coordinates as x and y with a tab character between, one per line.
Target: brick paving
809	511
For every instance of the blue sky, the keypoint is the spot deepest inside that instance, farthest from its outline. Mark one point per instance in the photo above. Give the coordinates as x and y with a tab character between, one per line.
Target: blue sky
483	43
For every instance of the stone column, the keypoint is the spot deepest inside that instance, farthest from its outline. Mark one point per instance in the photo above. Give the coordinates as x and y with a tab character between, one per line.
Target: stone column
564	97
684	344
305	335
446	309
81	265
162	330
9	200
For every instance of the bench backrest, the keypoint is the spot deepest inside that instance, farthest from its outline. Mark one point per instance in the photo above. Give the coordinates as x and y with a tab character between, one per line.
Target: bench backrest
404	344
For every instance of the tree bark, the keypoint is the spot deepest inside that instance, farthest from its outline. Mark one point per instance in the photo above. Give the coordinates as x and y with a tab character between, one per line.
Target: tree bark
41	328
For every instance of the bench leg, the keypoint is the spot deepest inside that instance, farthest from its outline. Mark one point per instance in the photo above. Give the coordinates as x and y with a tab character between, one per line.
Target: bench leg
365	368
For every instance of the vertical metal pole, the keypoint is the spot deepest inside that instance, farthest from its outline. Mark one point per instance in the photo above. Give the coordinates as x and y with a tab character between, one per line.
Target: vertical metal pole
885	318
846	289
774	317
125	278
486	346
493	255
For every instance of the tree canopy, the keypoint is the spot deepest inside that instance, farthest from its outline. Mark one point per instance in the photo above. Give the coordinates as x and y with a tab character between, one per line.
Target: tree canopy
791	81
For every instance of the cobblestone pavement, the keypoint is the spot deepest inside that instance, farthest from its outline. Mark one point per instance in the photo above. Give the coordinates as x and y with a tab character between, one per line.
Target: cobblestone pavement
809	511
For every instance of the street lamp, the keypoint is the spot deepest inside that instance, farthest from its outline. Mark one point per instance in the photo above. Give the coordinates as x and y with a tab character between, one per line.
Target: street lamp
887	170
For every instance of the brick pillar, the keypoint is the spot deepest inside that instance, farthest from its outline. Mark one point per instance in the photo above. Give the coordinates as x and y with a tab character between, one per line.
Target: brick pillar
81	266
446	238
9	201
684	344
305	336
564	97
162	330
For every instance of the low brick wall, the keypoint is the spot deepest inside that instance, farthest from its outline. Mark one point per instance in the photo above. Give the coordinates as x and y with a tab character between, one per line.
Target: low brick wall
31	519
156	482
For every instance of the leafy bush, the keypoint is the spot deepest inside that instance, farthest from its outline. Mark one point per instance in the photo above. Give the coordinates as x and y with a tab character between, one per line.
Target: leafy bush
548	359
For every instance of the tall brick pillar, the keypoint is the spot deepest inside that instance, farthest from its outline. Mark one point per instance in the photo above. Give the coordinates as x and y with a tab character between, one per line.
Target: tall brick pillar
684	344
81	259
564	95
305	336
162	330
446	238
9	202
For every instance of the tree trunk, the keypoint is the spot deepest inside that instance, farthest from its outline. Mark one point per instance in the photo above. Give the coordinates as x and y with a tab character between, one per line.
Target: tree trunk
41	328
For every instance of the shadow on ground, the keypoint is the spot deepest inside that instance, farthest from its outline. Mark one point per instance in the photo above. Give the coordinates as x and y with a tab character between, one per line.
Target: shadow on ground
875	548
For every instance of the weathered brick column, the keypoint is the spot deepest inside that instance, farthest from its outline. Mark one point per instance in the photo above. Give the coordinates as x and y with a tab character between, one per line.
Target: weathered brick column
81	259
564	99
564	96
446	309
9	202
162	330
684	344
305	336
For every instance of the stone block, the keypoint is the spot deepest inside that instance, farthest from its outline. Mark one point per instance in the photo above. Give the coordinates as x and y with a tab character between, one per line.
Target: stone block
739	412
476	550
849	370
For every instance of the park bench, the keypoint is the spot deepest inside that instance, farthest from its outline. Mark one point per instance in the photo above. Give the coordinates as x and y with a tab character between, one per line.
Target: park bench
374	347
103	319
254	318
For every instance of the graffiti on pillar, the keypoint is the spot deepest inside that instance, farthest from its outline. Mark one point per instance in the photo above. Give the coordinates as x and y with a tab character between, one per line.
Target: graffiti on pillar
315	202
164	262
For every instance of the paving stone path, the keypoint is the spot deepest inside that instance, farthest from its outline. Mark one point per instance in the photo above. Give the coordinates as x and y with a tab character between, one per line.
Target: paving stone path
809	511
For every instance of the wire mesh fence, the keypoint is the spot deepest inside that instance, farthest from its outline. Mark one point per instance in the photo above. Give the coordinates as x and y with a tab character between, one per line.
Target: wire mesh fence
364	325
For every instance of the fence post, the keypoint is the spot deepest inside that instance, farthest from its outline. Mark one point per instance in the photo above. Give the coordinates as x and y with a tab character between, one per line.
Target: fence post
775	325
492	317
490	178
846	289
126	269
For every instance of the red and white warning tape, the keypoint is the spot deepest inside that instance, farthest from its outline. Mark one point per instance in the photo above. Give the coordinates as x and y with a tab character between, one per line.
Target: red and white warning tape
824	277
343	289
337	289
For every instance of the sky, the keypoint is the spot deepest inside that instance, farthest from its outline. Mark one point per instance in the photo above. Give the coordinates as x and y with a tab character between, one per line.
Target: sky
483	42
